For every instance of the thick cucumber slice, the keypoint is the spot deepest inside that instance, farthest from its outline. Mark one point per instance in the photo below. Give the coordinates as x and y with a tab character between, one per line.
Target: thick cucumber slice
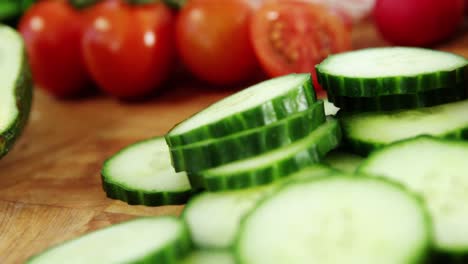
275	164
214	218
214	152
340	219
392	70
258	105
343	161
142	174
369	131
401	101
210	257
16	88
437	170
82	4
163	240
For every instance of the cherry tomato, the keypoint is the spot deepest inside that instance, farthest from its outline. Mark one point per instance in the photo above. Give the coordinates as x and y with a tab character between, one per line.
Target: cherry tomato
294	36
418	22
52	31
129	49
213	40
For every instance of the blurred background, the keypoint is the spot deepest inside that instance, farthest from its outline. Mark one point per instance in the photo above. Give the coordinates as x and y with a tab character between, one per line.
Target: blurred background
136	49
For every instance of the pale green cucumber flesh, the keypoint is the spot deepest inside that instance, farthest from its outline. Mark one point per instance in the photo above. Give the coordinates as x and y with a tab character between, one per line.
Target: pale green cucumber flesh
258	105
401	101
343	161
142	174
390	70
330	108
437	170
210	257
336	219
15	88
214	218
276	164
218	151
162	240
366	132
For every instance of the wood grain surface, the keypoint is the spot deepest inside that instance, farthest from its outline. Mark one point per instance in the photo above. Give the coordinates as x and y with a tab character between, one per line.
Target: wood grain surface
50	188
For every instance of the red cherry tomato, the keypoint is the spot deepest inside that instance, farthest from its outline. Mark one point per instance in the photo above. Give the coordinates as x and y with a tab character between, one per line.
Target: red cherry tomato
213	40
294	36
129	49
418	22
52	31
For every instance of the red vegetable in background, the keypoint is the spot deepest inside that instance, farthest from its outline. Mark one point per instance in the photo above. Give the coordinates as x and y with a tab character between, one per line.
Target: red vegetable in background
213	40
52	32
418	22
129	49
294	36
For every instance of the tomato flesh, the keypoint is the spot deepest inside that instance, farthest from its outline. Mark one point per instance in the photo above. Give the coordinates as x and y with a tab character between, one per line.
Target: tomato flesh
52	31
129	49
294	36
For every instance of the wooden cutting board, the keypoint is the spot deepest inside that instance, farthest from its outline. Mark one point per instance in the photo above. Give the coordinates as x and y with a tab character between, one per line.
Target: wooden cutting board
50	188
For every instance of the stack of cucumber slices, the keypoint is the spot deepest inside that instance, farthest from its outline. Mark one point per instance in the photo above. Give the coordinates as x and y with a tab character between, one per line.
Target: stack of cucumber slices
273	175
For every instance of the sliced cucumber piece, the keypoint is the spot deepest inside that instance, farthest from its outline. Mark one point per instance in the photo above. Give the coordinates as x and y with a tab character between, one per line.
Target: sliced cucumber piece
275	164
142	174
214	218
366	132
437	170
210	257
214	152
82	4
258	105
343	161
389	71
163	240
336	219
401	101
16	88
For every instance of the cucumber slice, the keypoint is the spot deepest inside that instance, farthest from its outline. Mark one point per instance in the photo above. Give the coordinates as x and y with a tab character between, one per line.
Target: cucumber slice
401	101
210	257
275	164
214	218
214	152
337	219
82	4
162	240
389	71
16	88
258	105
343	161
437	170
142	174
366	132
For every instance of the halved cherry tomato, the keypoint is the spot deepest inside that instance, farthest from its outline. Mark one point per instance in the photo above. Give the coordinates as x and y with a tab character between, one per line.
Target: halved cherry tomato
213	40
52	31
294	36
129	49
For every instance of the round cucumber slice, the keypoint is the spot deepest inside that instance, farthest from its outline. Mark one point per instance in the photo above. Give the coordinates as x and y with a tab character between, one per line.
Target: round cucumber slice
142	174
215	152
145	240
390	70
214	218
336	219
401	101
437	170
258	105
16	88
366	132
276	164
